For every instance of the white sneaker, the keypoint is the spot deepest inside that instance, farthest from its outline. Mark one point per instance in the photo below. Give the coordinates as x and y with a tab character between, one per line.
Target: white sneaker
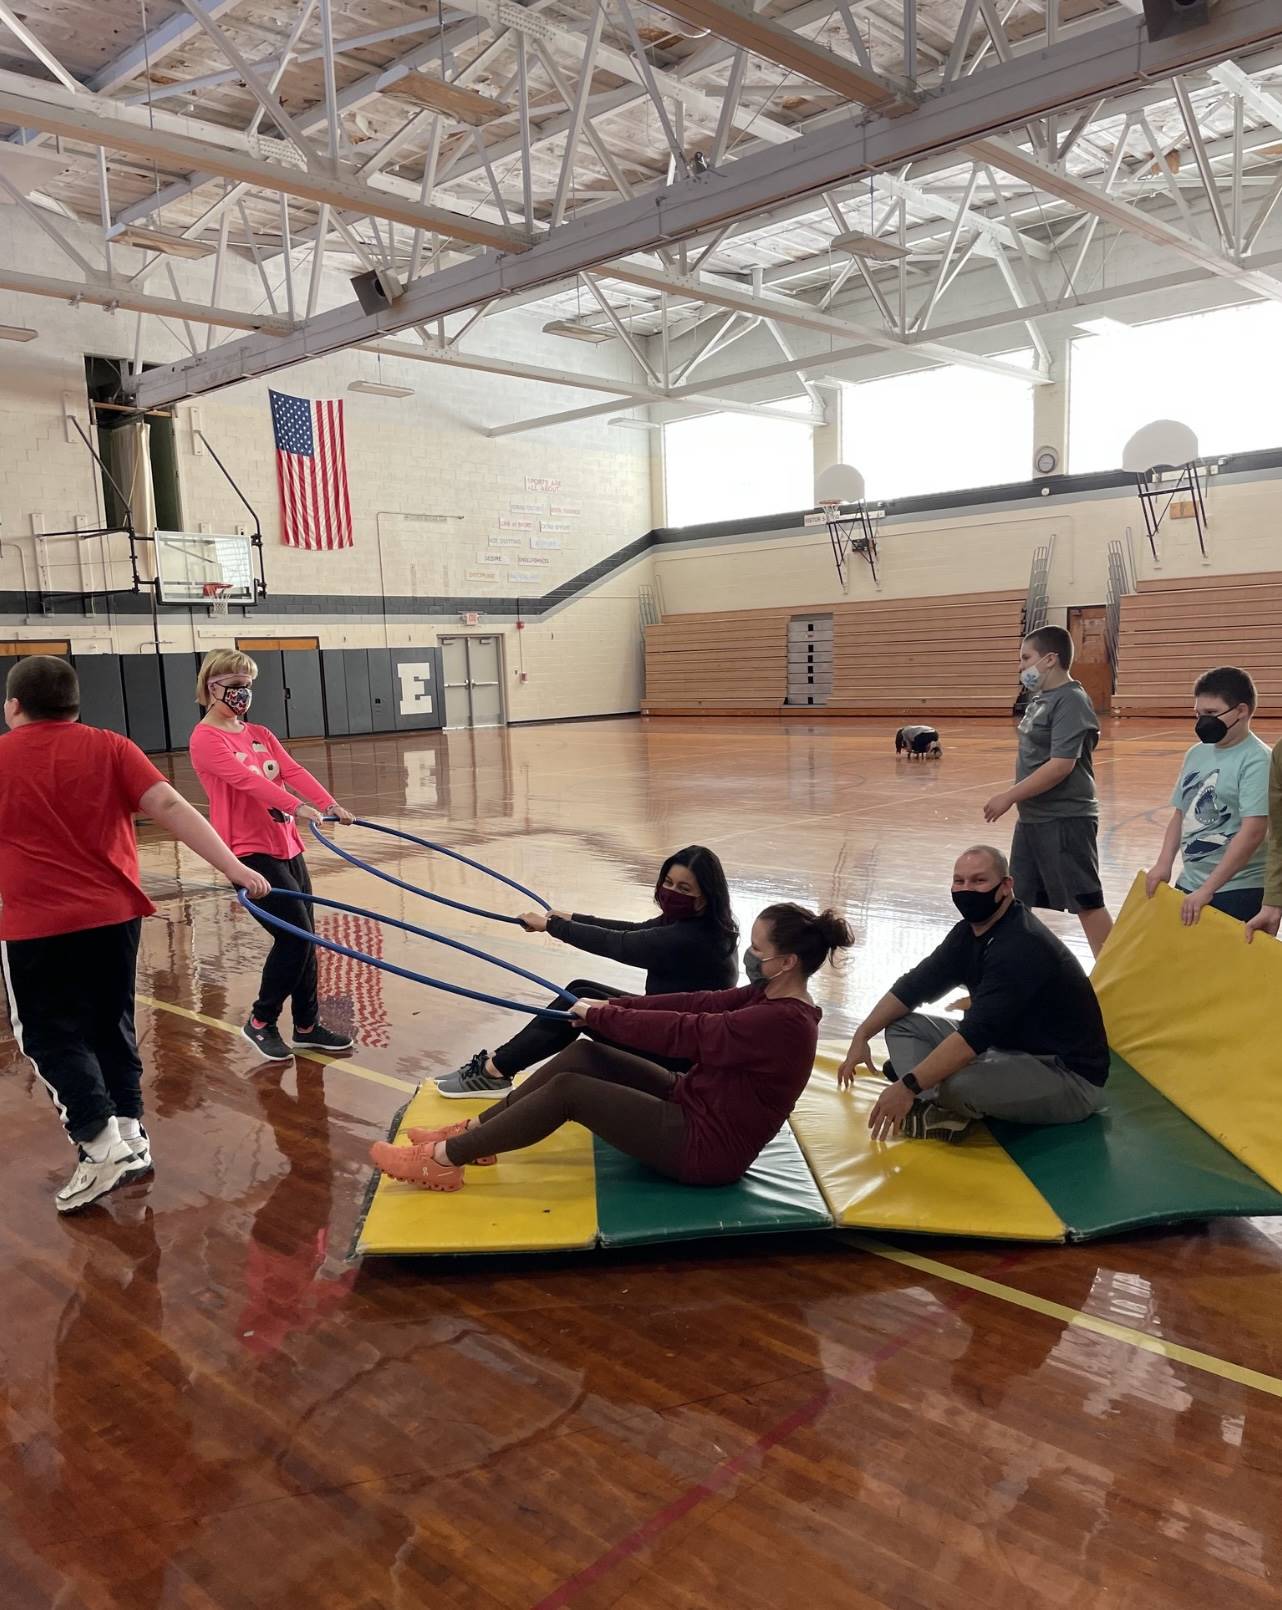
140	1144
93	1180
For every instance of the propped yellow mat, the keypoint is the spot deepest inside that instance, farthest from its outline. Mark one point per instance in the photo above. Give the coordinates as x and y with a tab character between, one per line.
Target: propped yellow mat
1195	1011
539	1200
970	1189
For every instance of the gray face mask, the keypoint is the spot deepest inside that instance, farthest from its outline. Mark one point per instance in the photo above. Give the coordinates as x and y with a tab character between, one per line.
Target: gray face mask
753	966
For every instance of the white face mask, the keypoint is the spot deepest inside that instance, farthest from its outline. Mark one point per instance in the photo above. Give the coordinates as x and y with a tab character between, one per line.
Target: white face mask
1032	677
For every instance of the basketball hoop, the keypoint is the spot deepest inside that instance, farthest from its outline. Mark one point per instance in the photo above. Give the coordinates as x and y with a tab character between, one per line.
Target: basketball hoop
215	594
855	532
1165	460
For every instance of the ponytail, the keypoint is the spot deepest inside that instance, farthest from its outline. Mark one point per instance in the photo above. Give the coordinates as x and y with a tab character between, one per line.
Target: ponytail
812	938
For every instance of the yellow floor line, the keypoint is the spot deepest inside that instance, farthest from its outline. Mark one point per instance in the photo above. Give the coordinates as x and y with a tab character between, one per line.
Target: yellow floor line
1189	1356
343	1063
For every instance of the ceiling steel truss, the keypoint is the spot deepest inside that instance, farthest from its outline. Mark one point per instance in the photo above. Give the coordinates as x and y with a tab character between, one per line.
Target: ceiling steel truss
666	178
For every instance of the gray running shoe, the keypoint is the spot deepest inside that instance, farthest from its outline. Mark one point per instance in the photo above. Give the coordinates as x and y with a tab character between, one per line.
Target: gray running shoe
927	1120
472	1082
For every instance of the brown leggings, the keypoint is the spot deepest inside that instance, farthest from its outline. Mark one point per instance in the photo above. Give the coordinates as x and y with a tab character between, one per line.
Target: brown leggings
621	1097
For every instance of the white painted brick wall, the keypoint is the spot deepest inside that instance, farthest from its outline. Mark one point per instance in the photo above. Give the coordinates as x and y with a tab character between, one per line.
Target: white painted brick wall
425	454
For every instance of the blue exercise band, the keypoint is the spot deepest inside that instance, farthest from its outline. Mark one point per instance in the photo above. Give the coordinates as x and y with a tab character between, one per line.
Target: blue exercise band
441	849
319	940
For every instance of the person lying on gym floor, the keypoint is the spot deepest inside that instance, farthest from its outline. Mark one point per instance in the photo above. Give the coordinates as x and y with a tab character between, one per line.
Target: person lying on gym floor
750	1052
690	945
1031	1046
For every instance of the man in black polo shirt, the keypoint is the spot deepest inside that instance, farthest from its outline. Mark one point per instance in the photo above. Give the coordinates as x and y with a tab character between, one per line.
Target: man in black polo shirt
1031	1046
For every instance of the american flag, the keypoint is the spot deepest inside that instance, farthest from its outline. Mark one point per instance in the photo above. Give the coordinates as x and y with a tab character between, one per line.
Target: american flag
311	465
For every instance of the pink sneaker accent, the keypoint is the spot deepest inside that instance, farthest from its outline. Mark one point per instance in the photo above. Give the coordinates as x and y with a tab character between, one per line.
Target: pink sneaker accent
429	1137
415	1165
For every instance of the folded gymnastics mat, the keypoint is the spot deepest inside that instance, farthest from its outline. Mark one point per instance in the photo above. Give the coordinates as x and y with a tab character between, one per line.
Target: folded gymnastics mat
540	1200
1196	1012
635	1205
1192	1129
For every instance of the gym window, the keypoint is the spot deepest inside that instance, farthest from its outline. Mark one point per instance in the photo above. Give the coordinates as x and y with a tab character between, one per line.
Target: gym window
737	466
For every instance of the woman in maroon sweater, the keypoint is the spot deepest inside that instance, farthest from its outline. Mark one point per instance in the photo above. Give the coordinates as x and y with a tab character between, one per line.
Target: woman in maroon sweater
751	1051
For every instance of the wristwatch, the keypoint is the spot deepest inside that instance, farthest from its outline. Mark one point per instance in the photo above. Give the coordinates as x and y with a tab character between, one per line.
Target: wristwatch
909	1082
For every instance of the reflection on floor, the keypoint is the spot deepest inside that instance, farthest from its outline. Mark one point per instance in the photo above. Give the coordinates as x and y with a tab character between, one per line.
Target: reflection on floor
204	1405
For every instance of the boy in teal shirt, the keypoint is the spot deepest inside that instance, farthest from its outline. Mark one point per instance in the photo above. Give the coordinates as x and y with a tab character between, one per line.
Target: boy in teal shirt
1221	801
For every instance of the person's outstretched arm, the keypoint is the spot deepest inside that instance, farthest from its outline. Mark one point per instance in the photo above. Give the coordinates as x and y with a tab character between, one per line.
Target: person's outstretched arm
166	806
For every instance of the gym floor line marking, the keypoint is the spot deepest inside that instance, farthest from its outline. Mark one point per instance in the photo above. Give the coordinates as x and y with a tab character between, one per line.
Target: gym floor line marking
722	1474
372	1074
1075	1317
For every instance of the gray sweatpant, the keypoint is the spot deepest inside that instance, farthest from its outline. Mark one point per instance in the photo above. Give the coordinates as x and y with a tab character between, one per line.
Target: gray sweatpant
1001	1084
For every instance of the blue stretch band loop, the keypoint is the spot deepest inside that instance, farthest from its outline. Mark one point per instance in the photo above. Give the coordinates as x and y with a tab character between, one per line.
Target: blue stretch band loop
319	940
440	849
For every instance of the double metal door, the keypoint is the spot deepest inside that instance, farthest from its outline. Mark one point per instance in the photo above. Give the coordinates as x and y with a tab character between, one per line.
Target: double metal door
473	681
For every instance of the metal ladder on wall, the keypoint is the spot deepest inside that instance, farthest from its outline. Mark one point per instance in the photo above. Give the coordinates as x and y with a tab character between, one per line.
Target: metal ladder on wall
1121	580
1035	605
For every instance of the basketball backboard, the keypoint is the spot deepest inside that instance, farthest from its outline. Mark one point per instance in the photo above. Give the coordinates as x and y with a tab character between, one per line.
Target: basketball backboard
186	561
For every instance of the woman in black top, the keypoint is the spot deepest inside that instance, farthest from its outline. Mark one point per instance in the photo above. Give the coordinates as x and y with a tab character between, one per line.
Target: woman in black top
692	945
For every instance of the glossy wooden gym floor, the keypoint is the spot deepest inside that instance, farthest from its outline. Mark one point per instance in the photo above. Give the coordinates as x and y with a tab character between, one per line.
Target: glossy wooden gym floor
205	1406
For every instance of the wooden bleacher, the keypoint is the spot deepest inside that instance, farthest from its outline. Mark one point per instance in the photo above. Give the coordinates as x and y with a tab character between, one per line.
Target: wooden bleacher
949	656
1173	629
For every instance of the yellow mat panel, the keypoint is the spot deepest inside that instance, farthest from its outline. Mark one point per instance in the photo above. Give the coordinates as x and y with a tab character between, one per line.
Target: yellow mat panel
539	1200
1196	1012
971	1189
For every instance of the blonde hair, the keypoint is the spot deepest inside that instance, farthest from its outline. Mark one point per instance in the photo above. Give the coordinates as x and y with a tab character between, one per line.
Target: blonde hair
221	662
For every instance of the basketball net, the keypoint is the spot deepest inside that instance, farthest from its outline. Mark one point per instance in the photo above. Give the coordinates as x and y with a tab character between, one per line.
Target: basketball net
215	596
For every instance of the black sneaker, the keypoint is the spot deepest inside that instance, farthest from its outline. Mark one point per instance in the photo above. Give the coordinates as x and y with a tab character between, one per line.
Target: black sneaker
888	1071
473	1081
267	1041
321	1039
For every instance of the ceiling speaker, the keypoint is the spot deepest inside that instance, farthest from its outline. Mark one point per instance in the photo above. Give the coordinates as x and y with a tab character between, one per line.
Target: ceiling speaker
1166	17
376	290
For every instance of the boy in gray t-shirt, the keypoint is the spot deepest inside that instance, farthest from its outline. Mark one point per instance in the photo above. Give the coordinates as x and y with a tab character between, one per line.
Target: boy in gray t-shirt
1054	852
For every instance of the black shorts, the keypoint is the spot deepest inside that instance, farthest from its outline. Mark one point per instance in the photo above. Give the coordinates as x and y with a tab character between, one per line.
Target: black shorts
1055	865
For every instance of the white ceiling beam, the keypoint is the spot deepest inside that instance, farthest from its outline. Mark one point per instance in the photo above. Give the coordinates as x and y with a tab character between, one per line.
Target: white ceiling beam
162	41
1108	59
1001	154
725	293
102	294
740	25
120	128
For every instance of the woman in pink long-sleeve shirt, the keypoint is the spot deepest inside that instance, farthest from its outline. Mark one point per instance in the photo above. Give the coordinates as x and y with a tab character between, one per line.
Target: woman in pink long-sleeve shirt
751	1051
242	768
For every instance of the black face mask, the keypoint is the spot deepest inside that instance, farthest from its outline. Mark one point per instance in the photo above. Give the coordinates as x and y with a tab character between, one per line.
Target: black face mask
1213	729
977	905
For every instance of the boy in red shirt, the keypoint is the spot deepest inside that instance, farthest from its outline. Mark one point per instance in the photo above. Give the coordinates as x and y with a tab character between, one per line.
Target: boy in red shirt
72	910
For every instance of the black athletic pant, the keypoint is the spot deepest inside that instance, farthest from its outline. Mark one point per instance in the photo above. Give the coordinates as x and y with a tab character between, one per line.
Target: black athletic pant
543	1037
617	1095
290	971
71	1007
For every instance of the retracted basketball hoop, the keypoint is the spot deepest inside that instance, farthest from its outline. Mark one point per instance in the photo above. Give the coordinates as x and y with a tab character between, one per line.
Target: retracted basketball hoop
1165	460
854	531
215	594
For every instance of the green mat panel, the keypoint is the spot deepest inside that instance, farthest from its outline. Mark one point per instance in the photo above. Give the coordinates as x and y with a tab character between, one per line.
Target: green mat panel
1140	1162
635	1206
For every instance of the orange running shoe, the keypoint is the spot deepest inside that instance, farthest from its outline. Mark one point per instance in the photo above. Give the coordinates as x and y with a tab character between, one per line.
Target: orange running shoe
429	1137
415	1165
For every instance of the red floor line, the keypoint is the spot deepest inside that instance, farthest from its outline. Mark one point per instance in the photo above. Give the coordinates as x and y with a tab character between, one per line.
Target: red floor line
722	1474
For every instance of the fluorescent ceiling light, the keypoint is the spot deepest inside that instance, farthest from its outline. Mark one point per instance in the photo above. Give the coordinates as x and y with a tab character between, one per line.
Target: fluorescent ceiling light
376	388
635	424
1103	327
157	240
577	332
17	332
873	247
